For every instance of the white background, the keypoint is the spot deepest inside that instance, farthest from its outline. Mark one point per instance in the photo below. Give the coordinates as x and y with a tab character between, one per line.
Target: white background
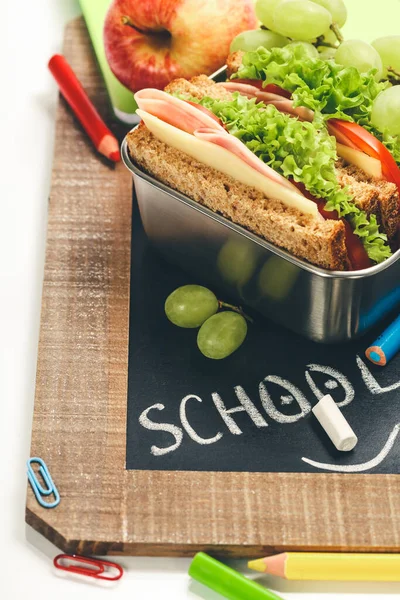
31	32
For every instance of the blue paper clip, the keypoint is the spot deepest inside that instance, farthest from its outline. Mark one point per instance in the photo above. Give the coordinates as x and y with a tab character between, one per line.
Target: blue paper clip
40	491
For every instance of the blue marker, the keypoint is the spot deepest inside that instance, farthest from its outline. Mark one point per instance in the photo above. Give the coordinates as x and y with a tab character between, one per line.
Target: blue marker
386	346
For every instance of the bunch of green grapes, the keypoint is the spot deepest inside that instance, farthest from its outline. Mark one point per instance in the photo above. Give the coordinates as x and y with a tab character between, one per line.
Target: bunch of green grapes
285	21
220	333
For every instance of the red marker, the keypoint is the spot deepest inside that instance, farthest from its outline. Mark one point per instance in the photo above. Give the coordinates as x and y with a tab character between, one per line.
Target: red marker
103	139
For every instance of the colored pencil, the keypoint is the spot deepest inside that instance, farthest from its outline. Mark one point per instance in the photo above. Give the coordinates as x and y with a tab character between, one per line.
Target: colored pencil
386	346
226	581
320	566
71	88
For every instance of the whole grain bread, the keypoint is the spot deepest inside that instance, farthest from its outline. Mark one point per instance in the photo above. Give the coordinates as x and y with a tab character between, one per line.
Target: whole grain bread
233	62
317	241
388	205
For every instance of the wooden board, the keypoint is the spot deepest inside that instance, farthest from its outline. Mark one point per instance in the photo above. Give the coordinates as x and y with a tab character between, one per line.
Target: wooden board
79	425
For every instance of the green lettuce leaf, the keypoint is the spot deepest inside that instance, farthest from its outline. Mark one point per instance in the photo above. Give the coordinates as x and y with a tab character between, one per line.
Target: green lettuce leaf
301	151
332	91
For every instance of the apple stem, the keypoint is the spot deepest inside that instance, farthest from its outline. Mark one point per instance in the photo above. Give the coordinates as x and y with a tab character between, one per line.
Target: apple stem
337	32
128	21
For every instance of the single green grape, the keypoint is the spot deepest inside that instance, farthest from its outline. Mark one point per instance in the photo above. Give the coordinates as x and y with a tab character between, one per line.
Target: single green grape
265	11
190	305
326	53
389	50
337	9
301	19
385	113
311	50
237	261
276	278
359	54
222	334
247	41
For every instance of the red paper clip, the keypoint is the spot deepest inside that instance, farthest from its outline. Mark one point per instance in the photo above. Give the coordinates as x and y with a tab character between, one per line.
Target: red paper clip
98	569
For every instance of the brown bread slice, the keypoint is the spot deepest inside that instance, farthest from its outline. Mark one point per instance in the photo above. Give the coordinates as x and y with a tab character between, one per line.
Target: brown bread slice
320	242
365	196
198	87
233	62
388	209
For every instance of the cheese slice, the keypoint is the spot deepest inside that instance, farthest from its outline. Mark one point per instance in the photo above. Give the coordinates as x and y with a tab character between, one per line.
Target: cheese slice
222	160
371	166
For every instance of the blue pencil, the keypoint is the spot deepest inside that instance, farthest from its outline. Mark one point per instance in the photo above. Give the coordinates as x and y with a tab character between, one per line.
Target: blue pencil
386	346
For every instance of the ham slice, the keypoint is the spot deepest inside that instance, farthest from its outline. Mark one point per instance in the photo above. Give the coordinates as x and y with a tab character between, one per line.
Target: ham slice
234	145
175	111
282	103
245	89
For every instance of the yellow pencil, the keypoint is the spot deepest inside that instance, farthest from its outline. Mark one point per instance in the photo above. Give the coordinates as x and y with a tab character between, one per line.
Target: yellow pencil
330	566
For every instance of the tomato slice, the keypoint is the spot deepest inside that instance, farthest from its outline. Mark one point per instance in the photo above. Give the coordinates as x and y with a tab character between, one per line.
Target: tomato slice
270	87
368	143
358	256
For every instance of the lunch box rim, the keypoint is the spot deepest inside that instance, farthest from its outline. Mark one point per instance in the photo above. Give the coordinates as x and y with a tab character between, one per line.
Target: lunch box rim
365	273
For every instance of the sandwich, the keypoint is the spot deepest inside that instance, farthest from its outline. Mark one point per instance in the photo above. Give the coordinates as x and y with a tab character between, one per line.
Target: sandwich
342	99
275	173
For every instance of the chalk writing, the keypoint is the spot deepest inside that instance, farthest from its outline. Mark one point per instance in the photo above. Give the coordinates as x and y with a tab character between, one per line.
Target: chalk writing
371	382
294	392
342	379
189	429
275	393
172	429
245	405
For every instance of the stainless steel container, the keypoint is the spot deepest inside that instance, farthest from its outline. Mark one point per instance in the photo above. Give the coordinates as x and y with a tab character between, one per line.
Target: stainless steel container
325	306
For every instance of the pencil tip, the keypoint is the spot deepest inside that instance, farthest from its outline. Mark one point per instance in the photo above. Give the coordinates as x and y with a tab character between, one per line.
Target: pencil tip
115	156
257	565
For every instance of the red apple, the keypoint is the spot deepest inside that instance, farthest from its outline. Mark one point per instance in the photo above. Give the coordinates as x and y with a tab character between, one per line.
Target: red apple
150	42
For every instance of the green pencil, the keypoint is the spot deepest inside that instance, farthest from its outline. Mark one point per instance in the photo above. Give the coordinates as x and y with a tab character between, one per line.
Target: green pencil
226	581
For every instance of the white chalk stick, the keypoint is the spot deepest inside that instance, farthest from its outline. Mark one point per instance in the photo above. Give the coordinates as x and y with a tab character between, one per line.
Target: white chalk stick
332	420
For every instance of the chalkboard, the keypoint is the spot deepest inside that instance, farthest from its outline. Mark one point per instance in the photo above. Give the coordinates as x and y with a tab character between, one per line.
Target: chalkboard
252	411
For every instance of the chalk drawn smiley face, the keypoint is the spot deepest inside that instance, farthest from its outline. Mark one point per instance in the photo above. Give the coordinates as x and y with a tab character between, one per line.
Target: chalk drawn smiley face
375	389
334	380
290	395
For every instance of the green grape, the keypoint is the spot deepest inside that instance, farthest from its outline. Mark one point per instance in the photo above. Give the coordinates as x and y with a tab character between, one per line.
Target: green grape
277	278
359	54
265	11
253	39
389	51
301	19
222	334
311	50
336	8
190	305
237	261
385	113
326	53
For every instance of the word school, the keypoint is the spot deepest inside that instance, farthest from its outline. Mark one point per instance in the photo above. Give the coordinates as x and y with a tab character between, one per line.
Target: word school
291	394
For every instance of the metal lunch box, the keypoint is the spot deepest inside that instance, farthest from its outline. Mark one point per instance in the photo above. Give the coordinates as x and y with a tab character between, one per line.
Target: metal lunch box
324	306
